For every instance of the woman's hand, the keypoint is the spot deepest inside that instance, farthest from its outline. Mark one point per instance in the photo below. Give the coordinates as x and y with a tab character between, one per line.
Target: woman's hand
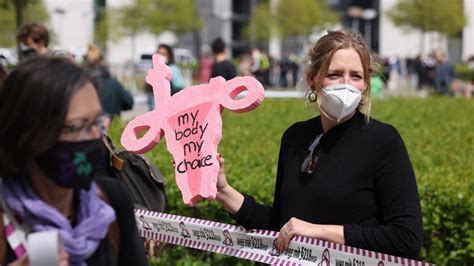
294	227
63	257
230	198
222	184
221	178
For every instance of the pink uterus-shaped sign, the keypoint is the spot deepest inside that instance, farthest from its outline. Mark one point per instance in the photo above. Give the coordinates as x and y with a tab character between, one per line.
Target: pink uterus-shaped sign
191	122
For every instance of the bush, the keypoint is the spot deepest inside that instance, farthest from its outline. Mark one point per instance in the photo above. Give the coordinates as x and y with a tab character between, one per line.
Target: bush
463	72
439	137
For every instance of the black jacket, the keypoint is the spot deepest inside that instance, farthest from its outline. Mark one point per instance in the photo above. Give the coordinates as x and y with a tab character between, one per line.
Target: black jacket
113	96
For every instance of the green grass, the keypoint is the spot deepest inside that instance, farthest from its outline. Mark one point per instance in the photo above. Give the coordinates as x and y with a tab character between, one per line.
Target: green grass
438	133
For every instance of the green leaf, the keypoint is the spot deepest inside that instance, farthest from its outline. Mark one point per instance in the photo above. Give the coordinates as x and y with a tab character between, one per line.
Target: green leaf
33	10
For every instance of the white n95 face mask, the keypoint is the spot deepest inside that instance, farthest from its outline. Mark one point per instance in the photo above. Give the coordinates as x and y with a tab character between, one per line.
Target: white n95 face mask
338	101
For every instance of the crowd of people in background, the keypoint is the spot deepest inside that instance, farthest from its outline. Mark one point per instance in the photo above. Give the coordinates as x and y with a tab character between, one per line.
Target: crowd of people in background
34	40
423	75
271	72
432	73
255	62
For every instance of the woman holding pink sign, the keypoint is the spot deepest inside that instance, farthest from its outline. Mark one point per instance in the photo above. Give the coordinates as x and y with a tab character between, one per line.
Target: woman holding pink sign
342	176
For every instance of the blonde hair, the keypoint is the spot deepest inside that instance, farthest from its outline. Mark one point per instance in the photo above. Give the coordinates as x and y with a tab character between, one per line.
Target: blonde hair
94	56
439	56
321	54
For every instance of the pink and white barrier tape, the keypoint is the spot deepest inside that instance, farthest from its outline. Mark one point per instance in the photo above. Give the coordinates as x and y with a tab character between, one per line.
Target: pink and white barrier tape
256	245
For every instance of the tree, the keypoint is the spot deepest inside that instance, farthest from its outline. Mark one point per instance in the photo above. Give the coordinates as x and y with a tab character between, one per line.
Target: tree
12	14
451	18
155	17
261	25
301	18
158	16
101	24
171	15
442	16
131	20
290	19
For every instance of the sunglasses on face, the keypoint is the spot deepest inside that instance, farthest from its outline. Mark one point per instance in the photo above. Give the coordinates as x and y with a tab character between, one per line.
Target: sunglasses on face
311	161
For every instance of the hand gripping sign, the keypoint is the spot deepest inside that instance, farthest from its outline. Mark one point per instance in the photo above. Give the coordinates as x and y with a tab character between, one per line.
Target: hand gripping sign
191	122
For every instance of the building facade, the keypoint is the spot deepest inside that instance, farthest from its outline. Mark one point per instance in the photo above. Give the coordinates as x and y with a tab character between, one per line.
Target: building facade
73	24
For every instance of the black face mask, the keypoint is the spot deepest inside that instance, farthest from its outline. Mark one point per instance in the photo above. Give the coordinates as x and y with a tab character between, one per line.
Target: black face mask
29	52
73	164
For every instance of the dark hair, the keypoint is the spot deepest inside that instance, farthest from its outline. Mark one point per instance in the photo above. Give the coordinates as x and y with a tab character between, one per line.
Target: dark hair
3	75
169	50
34	102
34	30
218	46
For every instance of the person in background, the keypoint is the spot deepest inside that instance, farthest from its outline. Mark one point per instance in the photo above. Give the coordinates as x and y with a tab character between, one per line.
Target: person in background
295	68
177	81
444	73
376	85
264	68
470	63
64	54
205	67
285	66
465	87
342	176
113	96
222	67
50	153
34	39
419	72
261	66
245	64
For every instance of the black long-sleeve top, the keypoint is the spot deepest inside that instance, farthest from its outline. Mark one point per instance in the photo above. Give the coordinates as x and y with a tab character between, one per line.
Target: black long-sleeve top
364	181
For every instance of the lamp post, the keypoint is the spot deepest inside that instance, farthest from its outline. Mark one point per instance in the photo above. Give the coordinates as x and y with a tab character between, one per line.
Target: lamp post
368	14
60	12
355	12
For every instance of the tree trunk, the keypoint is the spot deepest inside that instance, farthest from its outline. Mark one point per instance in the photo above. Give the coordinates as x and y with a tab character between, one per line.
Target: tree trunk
197	44
19	21
422	42
133	39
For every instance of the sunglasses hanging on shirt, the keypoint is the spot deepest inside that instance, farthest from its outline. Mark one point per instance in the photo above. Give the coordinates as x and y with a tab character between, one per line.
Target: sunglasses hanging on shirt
311	161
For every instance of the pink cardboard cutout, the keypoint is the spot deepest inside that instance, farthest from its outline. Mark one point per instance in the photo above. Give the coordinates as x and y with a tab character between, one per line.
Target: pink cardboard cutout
191	122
